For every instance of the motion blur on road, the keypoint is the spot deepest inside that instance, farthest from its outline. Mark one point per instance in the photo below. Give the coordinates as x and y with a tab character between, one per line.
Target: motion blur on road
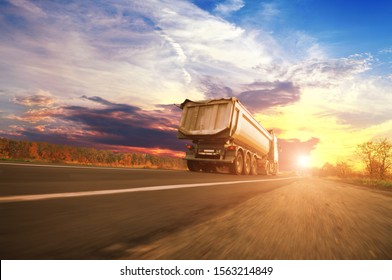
55	212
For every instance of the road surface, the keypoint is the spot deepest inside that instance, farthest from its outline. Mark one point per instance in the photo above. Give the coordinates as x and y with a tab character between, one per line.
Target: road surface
63	212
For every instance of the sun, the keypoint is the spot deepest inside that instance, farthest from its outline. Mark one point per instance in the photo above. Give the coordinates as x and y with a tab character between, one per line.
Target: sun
303	161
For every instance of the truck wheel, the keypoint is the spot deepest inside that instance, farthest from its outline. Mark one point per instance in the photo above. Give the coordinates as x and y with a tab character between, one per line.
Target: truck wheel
193	166
267	168
276	169
253	166
238	164
247	164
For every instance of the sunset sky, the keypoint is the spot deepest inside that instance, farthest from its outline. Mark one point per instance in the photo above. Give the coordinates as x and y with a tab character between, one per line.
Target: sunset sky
106	74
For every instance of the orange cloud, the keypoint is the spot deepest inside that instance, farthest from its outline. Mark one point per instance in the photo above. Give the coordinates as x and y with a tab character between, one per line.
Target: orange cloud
42	98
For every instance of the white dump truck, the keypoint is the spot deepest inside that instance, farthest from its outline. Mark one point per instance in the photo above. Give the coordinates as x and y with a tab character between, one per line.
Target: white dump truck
224	133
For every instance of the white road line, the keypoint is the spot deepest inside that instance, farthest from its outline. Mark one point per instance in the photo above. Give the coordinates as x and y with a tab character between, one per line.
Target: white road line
34	197
85	167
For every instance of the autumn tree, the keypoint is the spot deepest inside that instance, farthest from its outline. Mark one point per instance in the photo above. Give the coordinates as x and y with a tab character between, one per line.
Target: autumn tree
384	152
15	149
4	148
33	150
343	169
377	157
327	170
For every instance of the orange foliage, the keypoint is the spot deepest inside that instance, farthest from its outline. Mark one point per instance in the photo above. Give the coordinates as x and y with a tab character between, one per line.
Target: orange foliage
46	152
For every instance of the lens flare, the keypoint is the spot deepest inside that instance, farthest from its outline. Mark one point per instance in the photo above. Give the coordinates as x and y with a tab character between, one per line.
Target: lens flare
303	161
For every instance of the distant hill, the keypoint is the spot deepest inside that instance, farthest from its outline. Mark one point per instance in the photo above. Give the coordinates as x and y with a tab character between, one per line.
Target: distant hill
52	153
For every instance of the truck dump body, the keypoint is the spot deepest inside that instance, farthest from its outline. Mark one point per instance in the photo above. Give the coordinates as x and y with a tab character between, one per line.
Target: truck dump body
206	118
224	133
223	119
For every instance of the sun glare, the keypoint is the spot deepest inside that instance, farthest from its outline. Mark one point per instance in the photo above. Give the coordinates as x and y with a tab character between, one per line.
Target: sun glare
304	161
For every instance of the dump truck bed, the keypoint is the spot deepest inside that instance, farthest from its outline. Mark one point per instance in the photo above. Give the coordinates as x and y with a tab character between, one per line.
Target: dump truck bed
223	119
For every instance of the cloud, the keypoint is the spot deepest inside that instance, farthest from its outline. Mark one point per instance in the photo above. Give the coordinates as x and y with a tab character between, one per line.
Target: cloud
363	119
213	87
318	72
386	51
126	125
13	131
29	7
108	124
323	73
41	98
181	56
262	95
269	11
109	106
228	7
167	47
123	48
362	102
40	128
37	115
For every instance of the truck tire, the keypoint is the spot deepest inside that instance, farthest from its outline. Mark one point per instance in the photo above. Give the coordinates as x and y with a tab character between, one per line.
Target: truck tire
267	168
247	164
238	165
276	169
253	166
193	166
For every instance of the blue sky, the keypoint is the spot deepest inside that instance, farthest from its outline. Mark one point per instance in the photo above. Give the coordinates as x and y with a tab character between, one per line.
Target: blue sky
345	26
106	73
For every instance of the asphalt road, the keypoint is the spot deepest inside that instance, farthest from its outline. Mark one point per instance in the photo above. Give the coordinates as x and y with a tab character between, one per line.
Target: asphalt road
103	213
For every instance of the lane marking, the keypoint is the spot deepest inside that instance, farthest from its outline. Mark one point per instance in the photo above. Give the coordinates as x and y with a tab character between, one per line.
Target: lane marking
35	197
88	167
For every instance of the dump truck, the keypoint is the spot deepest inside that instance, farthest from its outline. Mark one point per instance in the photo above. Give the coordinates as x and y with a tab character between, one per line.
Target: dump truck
224	134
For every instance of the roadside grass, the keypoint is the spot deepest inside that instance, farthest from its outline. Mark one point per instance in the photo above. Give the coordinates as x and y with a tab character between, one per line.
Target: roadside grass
14	160
375	183
61	162
385	184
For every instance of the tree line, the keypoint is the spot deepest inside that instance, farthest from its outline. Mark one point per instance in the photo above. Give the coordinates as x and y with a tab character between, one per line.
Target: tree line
46	152
375	156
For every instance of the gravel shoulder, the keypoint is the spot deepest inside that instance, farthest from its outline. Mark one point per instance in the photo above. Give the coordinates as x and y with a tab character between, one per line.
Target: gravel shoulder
308	219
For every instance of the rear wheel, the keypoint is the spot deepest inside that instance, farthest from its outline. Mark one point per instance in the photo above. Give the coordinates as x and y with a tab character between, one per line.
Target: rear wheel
276	169
247	164
267	168
238	164
193	166
253	166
